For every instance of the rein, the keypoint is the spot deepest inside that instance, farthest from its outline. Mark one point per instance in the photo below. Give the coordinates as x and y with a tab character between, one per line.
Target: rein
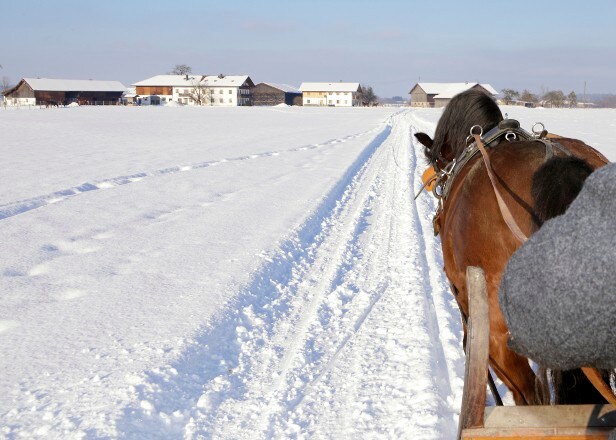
505	213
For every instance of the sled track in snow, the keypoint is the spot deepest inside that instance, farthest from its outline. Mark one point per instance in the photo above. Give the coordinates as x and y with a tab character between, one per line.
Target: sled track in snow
21	206
345	308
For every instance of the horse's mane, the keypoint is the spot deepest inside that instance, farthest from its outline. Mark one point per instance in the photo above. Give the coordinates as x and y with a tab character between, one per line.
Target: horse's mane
556	184
465	110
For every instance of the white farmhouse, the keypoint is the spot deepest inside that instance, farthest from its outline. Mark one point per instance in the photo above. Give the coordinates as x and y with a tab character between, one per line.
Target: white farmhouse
340	94
229	90
221	90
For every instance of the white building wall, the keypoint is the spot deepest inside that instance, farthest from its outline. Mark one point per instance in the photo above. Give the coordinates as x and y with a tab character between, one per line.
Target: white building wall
333	99
313	101
224	96
19	102
219	97
340	99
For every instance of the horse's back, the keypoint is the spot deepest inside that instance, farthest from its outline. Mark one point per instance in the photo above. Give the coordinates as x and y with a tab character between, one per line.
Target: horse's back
474	232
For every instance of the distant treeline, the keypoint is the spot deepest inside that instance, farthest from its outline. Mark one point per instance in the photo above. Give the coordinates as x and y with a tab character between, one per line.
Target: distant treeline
556	98
607	100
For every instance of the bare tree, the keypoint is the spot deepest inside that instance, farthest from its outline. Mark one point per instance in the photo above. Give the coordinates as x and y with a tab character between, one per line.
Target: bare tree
527	96
554	98
572	97
367	96
509	95
200	93
5	84
181	69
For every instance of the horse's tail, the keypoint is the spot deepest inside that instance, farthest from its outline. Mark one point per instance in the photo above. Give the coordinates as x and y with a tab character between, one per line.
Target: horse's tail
565	387
572	387
556	184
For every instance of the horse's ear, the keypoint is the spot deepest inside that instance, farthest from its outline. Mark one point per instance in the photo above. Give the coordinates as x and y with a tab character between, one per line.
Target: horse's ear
424	139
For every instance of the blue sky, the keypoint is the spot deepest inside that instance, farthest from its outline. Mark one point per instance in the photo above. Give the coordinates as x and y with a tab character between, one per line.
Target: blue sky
390	45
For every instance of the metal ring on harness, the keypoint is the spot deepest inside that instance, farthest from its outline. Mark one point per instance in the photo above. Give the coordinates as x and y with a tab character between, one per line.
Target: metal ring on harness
510	136
449	168
474	132
437	190
538	132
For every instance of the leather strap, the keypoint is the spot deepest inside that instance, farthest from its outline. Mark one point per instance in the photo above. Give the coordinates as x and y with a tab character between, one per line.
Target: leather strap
595	378
506	214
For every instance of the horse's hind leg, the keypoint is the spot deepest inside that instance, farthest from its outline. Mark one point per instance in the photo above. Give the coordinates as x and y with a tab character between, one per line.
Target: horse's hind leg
515	371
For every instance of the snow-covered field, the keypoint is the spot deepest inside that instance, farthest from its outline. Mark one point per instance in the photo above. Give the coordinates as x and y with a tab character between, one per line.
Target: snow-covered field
234	273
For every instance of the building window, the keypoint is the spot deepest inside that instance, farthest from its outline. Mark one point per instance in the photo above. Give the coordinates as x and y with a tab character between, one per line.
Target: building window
337	101
230	101
307	101
230	91
221	91
222	100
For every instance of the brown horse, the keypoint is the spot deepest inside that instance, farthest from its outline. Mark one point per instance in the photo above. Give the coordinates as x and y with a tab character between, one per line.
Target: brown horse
537	178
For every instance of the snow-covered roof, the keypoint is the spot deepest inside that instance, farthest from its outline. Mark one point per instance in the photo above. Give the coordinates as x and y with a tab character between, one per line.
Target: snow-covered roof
74	85
225	81
191	80
170	80
449	90
489	88
284	87
130	93
329	87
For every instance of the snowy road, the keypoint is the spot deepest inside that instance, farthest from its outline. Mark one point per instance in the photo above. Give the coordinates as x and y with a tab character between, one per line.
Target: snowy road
346	333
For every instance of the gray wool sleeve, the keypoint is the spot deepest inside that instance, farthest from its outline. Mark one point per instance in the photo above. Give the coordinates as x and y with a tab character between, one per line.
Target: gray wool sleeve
558	291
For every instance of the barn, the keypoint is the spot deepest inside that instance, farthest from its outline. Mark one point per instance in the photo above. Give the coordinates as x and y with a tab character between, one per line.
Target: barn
274	94
45	91
439	94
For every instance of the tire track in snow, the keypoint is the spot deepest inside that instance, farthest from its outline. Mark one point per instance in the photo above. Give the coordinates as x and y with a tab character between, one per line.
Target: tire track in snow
271	378
400	395
12	209
446	326
216	365
445	306
337	337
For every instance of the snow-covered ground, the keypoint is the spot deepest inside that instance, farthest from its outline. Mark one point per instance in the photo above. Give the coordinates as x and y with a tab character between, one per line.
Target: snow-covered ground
228	273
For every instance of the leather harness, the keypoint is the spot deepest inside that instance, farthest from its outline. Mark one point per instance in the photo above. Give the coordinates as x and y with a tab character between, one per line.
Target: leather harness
509	129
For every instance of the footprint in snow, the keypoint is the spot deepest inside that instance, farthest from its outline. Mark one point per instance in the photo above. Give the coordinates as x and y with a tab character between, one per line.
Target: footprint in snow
10	272
7	324
102	236
69	294
76	247
39	269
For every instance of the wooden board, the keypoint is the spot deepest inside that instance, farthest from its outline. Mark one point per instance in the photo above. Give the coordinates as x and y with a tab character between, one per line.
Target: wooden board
477	347
561	422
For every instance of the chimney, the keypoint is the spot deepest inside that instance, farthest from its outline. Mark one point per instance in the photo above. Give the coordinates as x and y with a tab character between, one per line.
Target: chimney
186	77
221	76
